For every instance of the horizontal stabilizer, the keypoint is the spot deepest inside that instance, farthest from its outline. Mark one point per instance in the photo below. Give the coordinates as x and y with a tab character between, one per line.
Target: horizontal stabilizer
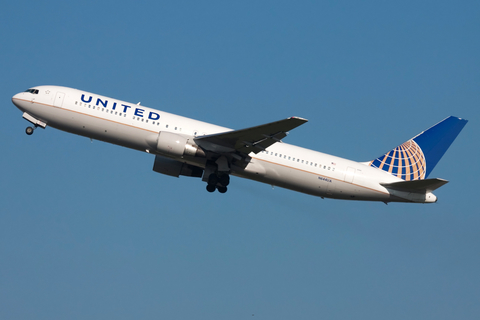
417	186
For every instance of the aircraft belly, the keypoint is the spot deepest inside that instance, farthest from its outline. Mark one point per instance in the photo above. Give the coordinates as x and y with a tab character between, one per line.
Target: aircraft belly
311	183
93	127
284	177
270	173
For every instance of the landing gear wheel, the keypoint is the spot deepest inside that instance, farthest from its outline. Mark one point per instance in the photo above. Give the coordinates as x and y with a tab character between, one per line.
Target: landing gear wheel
222	189
210	188
29	130
213	179
224	180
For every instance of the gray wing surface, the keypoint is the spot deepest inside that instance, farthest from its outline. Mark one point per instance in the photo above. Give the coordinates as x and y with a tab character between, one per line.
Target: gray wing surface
254	139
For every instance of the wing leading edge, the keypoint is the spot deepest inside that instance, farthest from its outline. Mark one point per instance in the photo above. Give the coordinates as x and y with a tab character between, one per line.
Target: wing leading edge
254	139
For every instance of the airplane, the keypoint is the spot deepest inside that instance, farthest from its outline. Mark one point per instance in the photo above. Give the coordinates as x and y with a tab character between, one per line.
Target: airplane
188	147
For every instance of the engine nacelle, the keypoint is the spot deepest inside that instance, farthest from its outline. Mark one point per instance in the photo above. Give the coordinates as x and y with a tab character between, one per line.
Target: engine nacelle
176	145
175	168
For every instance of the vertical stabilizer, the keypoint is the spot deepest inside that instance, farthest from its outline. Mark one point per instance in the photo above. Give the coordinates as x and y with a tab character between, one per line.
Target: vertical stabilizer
416	158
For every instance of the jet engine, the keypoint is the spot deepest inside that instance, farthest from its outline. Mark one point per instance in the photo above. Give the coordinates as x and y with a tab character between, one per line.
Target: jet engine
175	168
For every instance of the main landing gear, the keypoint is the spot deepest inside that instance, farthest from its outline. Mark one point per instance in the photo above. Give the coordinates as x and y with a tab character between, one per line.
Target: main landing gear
218	182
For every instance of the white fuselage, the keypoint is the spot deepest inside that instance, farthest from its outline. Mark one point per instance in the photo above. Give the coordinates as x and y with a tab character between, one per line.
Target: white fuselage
281	164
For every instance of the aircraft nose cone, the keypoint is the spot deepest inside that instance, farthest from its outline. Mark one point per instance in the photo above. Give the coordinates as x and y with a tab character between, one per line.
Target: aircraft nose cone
16	97
19	99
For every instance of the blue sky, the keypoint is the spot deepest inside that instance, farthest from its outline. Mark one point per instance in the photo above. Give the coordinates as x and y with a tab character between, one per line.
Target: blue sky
88	230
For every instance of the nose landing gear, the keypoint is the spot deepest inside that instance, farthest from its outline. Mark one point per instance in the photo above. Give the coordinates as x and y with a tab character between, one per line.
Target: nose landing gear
29	130
36	123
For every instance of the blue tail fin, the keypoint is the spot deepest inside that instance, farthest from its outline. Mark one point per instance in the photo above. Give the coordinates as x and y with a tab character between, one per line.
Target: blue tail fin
416	158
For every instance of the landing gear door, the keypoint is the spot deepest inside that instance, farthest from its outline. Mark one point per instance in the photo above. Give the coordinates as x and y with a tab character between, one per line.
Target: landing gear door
58	102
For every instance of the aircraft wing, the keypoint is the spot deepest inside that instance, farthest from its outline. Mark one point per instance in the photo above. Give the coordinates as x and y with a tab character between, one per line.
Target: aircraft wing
254	139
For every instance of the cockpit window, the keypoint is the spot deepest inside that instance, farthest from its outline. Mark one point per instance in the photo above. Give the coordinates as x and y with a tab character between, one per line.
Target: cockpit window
34	91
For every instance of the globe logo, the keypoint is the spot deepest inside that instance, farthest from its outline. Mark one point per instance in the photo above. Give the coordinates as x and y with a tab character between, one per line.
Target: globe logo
406	161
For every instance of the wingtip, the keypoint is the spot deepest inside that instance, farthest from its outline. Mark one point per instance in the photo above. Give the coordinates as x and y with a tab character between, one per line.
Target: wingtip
299	118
